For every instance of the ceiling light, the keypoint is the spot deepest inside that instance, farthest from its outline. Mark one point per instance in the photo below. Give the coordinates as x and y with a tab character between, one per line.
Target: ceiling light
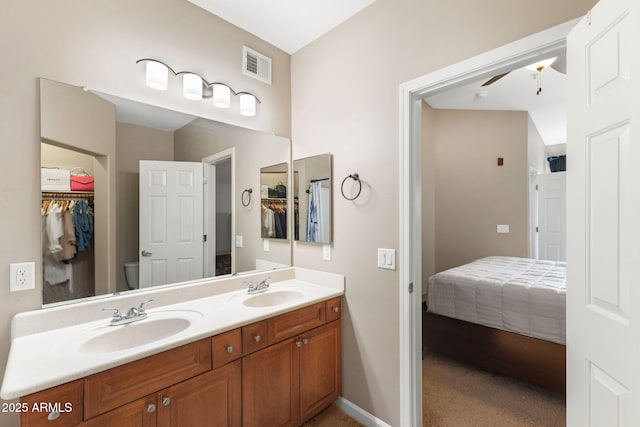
221	95
538	66
157	75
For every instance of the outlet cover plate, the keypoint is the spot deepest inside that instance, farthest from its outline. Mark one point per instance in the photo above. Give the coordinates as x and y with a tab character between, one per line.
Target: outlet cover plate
22	276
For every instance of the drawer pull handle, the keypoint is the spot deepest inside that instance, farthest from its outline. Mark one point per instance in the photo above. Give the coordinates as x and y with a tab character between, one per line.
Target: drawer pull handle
336	309
151	408
305	341
230	349
257	338
166	401
53	415
298	343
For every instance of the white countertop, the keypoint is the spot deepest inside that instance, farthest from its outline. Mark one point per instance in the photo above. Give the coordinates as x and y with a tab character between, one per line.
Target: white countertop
41	358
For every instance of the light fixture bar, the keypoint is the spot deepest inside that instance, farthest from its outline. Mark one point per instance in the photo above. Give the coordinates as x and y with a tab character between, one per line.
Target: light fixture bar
196	87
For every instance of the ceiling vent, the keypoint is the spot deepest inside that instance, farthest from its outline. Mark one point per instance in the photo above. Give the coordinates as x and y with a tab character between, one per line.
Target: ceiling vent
256	65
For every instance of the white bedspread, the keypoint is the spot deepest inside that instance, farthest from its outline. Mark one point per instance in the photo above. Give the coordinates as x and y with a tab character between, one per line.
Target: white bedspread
521	295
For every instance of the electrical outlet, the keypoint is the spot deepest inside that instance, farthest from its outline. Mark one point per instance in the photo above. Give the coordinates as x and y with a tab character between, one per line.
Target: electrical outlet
21	276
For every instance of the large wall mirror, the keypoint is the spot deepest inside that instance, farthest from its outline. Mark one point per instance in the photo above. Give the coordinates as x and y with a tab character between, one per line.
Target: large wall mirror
312	198
159	200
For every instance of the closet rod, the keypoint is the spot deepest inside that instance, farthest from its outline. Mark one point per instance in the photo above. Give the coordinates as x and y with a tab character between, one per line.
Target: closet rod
57	195
321	179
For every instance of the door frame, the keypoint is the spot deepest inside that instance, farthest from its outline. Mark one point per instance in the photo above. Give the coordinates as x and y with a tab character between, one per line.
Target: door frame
229	153
502	59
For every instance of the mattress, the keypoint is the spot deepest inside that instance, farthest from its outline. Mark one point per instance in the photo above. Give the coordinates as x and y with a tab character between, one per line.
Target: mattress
521	295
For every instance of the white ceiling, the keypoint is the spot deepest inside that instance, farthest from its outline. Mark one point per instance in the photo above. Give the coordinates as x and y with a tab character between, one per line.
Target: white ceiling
516	92
286	24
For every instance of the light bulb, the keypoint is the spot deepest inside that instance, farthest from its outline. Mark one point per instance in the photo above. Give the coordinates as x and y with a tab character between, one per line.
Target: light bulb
192	86
247	105
156	75
221	96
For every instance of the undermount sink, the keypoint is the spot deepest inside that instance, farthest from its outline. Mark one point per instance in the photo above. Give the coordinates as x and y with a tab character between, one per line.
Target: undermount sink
272	297
156	327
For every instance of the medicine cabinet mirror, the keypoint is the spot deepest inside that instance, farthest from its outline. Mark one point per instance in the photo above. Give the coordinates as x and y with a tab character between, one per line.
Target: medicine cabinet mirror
162	180
274	202
312	196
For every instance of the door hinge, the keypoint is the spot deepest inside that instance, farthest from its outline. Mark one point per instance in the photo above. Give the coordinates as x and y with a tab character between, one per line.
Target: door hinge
204	180
204	237
536	186
537	229
589	17
411	287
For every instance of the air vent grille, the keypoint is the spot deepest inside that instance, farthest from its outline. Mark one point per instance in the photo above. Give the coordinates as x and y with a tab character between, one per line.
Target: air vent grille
256	65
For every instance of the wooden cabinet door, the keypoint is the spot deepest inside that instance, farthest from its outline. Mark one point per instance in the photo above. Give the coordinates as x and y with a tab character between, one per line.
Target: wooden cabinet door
211	399
320	369
270	388
139	413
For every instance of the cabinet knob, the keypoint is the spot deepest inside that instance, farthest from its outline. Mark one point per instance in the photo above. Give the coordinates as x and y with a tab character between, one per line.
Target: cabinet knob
151	408
336	309
230	349
54	415
305	341
257	338
166	401
298	343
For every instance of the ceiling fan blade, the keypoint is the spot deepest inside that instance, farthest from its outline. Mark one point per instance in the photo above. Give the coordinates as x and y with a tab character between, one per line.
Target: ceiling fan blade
494	79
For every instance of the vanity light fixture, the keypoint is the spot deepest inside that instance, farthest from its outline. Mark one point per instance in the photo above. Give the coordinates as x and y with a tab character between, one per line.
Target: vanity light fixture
194	87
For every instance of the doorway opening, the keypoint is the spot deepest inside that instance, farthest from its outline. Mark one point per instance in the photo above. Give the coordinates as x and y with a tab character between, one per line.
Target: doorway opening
219	209
551	42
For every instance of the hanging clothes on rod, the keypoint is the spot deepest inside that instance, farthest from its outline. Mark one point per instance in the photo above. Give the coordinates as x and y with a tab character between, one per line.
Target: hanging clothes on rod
274	218
67	227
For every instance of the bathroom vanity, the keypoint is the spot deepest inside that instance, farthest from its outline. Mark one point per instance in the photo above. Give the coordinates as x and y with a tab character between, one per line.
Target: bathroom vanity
272	358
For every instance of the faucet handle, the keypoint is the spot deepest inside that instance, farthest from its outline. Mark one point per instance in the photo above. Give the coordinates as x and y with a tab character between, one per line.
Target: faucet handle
141	306
116	313
267	281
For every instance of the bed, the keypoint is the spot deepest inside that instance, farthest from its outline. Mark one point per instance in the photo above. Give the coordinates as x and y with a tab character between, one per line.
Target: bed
504	314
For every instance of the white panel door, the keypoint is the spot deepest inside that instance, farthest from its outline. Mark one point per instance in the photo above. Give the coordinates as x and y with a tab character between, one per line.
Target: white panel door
171	222
552	216
603	212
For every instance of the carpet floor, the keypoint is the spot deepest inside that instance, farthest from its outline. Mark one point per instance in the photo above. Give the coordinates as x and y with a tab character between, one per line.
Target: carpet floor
459	395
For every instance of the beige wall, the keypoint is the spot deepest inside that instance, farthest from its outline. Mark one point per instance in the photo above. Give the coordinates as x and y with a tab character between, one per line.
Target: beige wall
345	101
133	143
472	193
96	44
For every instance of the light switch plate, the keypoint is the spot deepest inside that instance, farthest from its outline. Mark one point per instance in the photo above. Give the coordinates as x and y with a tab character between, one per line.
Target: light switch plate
503	228
387	258
326	252
265	245
238	241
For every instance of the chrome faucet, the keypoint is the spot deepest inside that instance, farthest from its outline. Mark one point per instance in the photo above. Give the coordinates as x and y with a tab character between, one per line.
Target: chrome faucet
133	314
256	288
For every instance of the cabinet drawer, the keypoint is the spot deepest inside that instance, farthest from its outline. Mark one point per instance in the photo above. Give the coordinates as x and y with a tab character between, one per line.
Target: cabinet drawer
112	388
254	337
295	322
63	404
226	347
334	309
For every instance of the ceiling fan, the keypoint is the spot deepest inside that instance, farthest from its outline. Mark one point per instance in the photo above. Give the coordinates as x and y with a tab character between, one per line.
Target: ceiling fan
559	64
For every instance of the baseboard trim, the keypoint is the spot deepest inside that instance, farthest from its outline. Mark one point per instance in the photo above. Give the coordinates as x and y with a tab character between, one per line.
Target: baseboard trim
359	414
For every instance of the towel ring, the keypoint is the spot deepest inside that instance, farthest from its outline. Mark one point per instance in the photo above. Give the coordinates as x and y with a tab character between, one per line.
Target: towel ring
356	178
248	191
